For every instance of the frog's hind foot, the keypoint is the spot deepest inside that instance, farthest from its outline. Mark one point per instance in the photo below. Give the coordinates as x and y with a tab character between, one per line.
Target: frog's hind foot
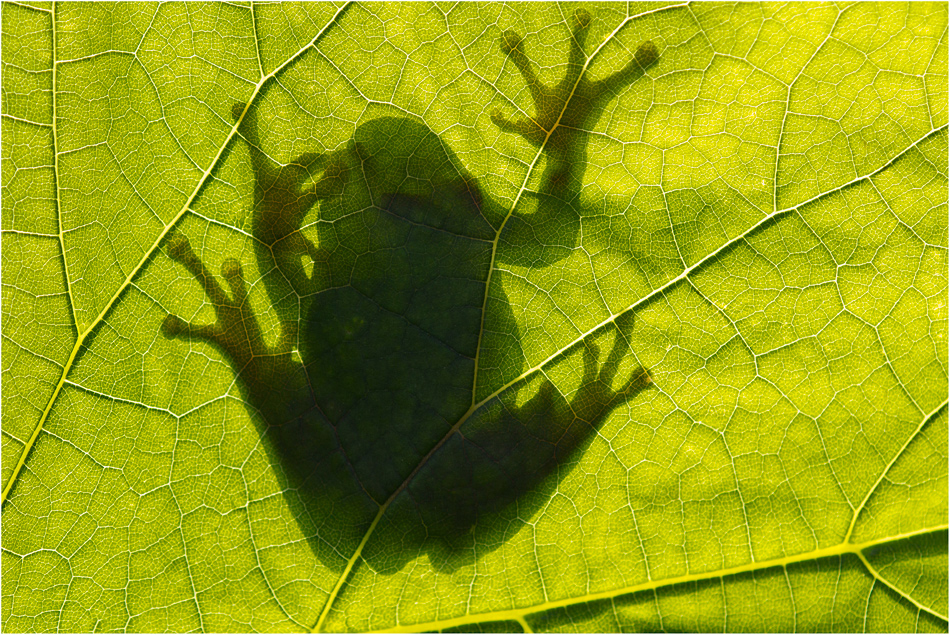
596	397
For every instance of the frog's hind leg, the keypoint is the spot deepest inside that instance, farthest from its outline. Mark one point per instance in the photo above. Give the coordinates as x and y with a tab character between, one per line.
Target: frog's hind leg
597	398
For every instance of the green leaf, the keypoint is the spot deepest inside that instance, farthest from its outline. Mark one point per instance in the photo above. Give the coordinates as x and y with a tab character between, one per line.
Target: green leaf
474	317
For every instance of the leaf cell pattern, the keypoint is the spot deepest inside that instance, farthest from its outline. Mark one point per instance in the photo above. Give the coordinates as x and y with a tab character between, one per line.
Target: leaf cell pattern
459	234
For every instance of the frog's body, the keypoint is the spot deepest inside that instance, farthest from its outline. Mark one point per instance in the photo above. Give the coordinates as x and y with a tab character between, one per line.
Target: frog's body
389	348
389	324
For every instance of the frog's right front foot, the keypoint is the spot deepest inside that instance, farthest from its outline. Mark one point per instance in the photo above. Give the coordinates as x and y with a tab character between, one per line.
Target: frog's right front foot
550	102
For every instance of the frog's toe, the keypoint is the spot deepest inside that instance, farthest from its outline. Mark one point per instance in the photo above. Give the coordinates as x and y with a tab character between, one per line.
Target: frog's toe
639	379
172	325
582	19
233	274
509	42
310	159
591	355
231	270
179	249
647	54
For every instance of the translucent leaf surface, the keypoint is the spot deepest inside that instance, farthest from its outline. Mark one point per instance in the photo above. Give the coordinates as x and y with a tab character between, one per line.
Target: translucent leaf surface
474	317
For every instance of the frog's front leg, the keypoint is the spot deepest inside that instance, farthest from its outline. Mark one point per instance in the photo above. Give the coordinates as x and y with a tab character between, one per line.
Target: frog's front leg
283	195
564	112
235	331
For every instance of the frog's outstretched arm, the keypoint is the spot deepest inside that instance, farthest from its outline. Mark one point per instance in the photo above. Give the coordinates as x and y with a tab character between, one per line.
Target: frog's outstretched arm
565	111
235	329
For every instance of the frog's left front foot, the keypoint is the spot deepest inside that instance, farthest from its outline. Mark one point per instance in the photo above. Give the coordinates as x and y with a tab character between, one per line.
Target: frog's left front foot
235	329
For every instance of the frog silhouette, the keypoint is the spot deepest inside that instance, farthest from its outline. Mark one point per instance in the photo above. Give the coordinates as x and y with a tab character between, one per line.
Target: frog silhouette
366	403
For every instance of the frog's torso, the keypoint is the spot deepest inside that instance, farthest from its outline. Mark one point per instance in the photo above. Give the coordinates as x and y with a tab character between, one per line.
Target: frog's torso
391	316
391	352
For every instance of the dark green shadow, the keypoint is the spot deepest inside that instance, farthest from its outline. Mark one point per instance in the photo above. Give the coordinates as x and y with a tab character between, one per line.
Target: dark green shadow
375	363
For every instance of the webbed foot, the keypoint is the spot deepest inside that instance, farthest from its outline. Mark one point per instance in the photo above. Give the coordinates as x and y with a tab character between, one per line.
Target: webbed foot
235	329
551	102
596	398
